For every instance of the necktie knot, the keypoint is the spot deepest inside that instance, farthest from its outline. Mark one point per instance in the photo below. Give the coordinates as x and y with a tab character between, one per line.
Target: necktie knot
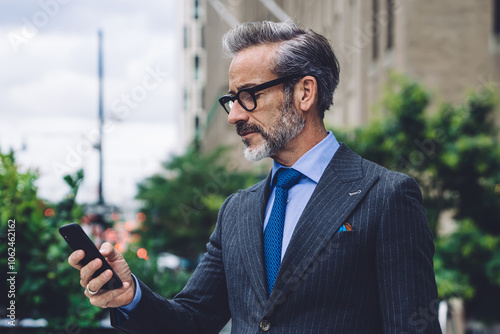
287	178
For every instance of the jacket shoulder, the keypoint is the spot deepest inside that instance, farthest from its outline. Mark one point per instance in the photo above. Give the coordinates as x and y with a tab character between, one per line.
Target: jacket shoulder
391	181
350	165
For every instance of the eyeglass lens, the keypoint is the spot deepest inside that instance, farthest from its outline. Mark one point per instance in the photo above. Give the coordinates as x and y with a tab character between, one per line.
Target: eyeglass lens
244	98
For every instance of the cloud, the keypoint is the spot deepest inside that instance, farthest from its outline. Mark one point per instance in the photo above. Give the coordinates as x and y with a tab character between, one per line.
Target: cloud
57	93
132	151
49	88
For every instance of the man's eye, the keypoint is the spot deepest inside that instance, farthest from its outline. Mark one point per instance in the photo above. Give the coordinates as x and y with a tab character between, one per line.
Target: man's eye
245	96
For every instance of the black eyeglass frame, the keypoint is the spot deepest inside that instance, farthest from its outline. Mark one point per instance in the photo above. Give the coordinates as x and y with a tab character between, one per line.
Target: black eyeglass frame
252	90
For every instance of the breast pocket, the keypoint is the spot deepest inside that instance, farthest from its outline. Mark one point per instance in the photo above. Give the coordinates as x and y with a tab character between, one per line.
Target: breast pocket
345	238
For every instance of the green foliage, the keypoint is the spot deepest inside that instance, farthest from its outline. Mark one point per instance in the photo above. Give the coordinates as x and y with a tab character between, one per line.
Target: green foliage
166	283
390	141
181	205
468	160
46	286
455	156
474	257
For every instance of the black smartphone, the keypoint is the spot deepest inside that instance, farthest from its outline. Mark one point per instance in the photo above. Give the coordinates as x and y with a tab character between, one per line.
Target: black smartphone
77	239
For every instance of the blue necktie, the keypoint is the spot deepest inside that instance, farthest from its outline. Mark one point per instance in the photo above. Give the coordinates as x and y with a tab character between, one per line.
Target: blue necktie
273	235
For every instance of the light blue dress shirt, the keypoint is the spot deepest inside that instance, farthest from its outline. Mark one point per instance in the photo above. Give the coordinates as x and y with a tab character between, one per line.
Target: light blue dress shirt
311	165
137	297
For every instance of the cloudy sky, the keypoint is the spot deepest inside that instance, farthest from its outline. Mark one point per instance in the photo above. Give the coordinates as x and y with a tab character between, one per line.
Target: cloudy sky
49	91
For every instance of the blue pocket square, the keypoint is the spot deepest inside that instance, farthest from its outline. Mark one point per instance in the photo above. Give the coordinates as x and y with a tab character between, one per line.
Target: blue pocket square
345	227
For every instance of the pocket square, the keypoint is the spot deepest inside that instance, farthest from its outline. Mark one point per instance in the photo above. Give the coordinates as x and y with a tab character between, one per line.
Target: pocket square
345	227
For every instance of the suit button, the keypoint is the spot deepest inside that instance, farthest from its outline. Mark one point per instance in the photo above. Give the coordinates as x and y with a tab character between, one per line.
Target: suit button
265	325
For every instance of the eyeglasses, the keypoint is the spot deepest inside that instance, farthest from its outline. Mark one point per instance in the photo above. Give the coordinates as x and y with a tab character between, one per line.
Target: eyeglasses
246	96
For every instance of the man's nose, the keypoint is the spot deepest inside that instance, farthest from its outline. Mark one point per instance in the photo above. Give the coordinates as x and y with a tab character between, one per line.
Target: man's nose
237	114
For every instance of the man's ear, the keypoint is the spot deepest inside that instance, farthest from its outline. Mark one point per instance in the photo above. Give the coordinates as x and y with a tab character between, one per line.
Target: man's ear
307	93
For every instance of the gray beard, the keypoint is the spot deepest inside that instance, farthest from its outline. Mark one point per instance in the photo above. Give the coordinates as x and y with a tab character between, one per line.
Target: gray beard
287	127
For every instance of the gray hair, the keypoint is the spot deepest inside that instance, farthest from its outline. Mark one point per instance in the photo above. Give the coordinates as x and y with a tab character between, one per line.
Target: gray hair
302	52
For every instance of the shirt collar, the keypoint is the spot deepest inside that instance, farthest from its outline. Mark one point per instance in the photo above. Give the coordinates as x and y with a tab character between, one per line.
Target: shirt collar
314	162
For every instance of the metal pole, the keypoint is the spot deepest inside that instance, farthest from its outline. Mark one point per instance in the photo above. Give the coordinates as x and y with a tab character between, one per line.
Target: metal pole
101	118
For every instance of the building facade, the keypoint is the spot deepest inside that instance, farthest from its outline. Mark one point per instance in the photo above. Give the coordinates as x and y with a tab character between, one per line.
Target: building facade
448	45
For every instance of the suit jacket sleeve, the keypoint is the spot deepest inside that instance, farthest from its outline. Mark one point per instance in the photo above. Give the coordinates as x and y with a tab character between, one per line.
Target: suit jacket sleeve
405	275
201	307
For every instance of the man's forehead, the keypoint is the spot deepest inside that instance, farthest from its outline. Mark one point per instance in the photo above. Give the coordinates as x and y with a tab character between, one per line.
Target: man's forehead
252	66
259	54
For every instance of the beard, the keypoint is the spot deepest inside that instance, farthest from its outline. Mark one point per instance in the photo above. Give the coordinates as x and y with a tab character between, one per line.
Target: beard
286	128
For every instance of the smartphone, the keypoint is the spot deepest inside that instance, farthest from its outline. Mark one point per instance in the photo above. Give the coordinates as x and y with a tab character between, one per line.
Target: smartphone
78	239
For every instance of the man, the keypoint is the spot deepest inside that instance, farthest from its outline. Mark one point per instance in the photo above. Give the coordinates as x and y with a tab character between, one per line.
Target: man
328	243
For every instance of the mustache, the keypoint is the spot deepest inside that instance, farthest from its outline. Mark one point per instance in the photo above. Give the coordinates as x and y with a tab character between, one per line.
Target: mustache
243	128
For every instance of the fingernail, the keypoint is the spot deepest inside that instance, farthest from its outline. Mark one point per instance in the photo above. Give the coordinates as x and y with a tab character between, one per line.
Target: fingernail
80	253
107	274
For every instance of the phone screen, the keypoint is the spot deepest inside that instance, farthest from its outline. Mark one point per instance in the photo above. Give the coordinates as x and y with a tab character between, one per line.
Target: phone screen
77	239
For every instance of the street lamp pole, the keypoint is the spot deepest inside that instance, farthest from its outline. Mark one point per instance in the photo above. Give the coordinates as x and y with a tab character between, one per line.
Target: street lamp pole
101	119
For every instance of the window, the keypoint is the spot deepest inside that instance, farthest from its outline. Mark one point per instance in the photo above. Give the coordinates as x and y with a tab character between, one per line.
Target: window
374	29
196	67
196	9
496	18
390	24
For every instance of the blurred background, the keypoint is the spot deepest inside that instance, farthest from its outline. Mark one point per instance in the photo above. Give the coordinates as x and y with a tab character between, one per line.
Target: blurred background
109	118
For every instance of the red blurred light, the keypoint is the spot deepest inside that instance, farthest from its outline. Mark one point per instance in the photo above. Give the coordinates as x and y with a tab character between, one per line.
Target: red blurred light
49	213
115	216
141	217
142	253
120	247
130	226
110	235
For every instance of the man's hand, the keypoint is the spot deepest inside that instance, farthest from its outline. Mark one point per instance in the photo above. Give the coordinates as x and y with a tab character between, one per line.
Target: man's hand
105	298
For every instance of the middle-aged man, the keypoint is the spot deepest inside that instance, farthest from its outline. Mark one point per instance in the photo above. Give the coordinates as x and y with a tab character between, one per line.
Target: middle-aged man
328	243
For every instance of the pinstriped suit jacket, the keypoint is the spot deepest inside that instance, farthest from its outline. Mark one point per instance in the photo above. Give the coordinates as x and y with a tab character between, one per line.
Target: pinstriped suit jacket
377	278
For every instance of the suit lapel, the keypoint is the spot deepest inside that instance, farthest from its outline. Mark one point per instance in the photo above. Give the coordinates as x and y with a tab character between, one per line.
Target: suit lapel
340	189
250	236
